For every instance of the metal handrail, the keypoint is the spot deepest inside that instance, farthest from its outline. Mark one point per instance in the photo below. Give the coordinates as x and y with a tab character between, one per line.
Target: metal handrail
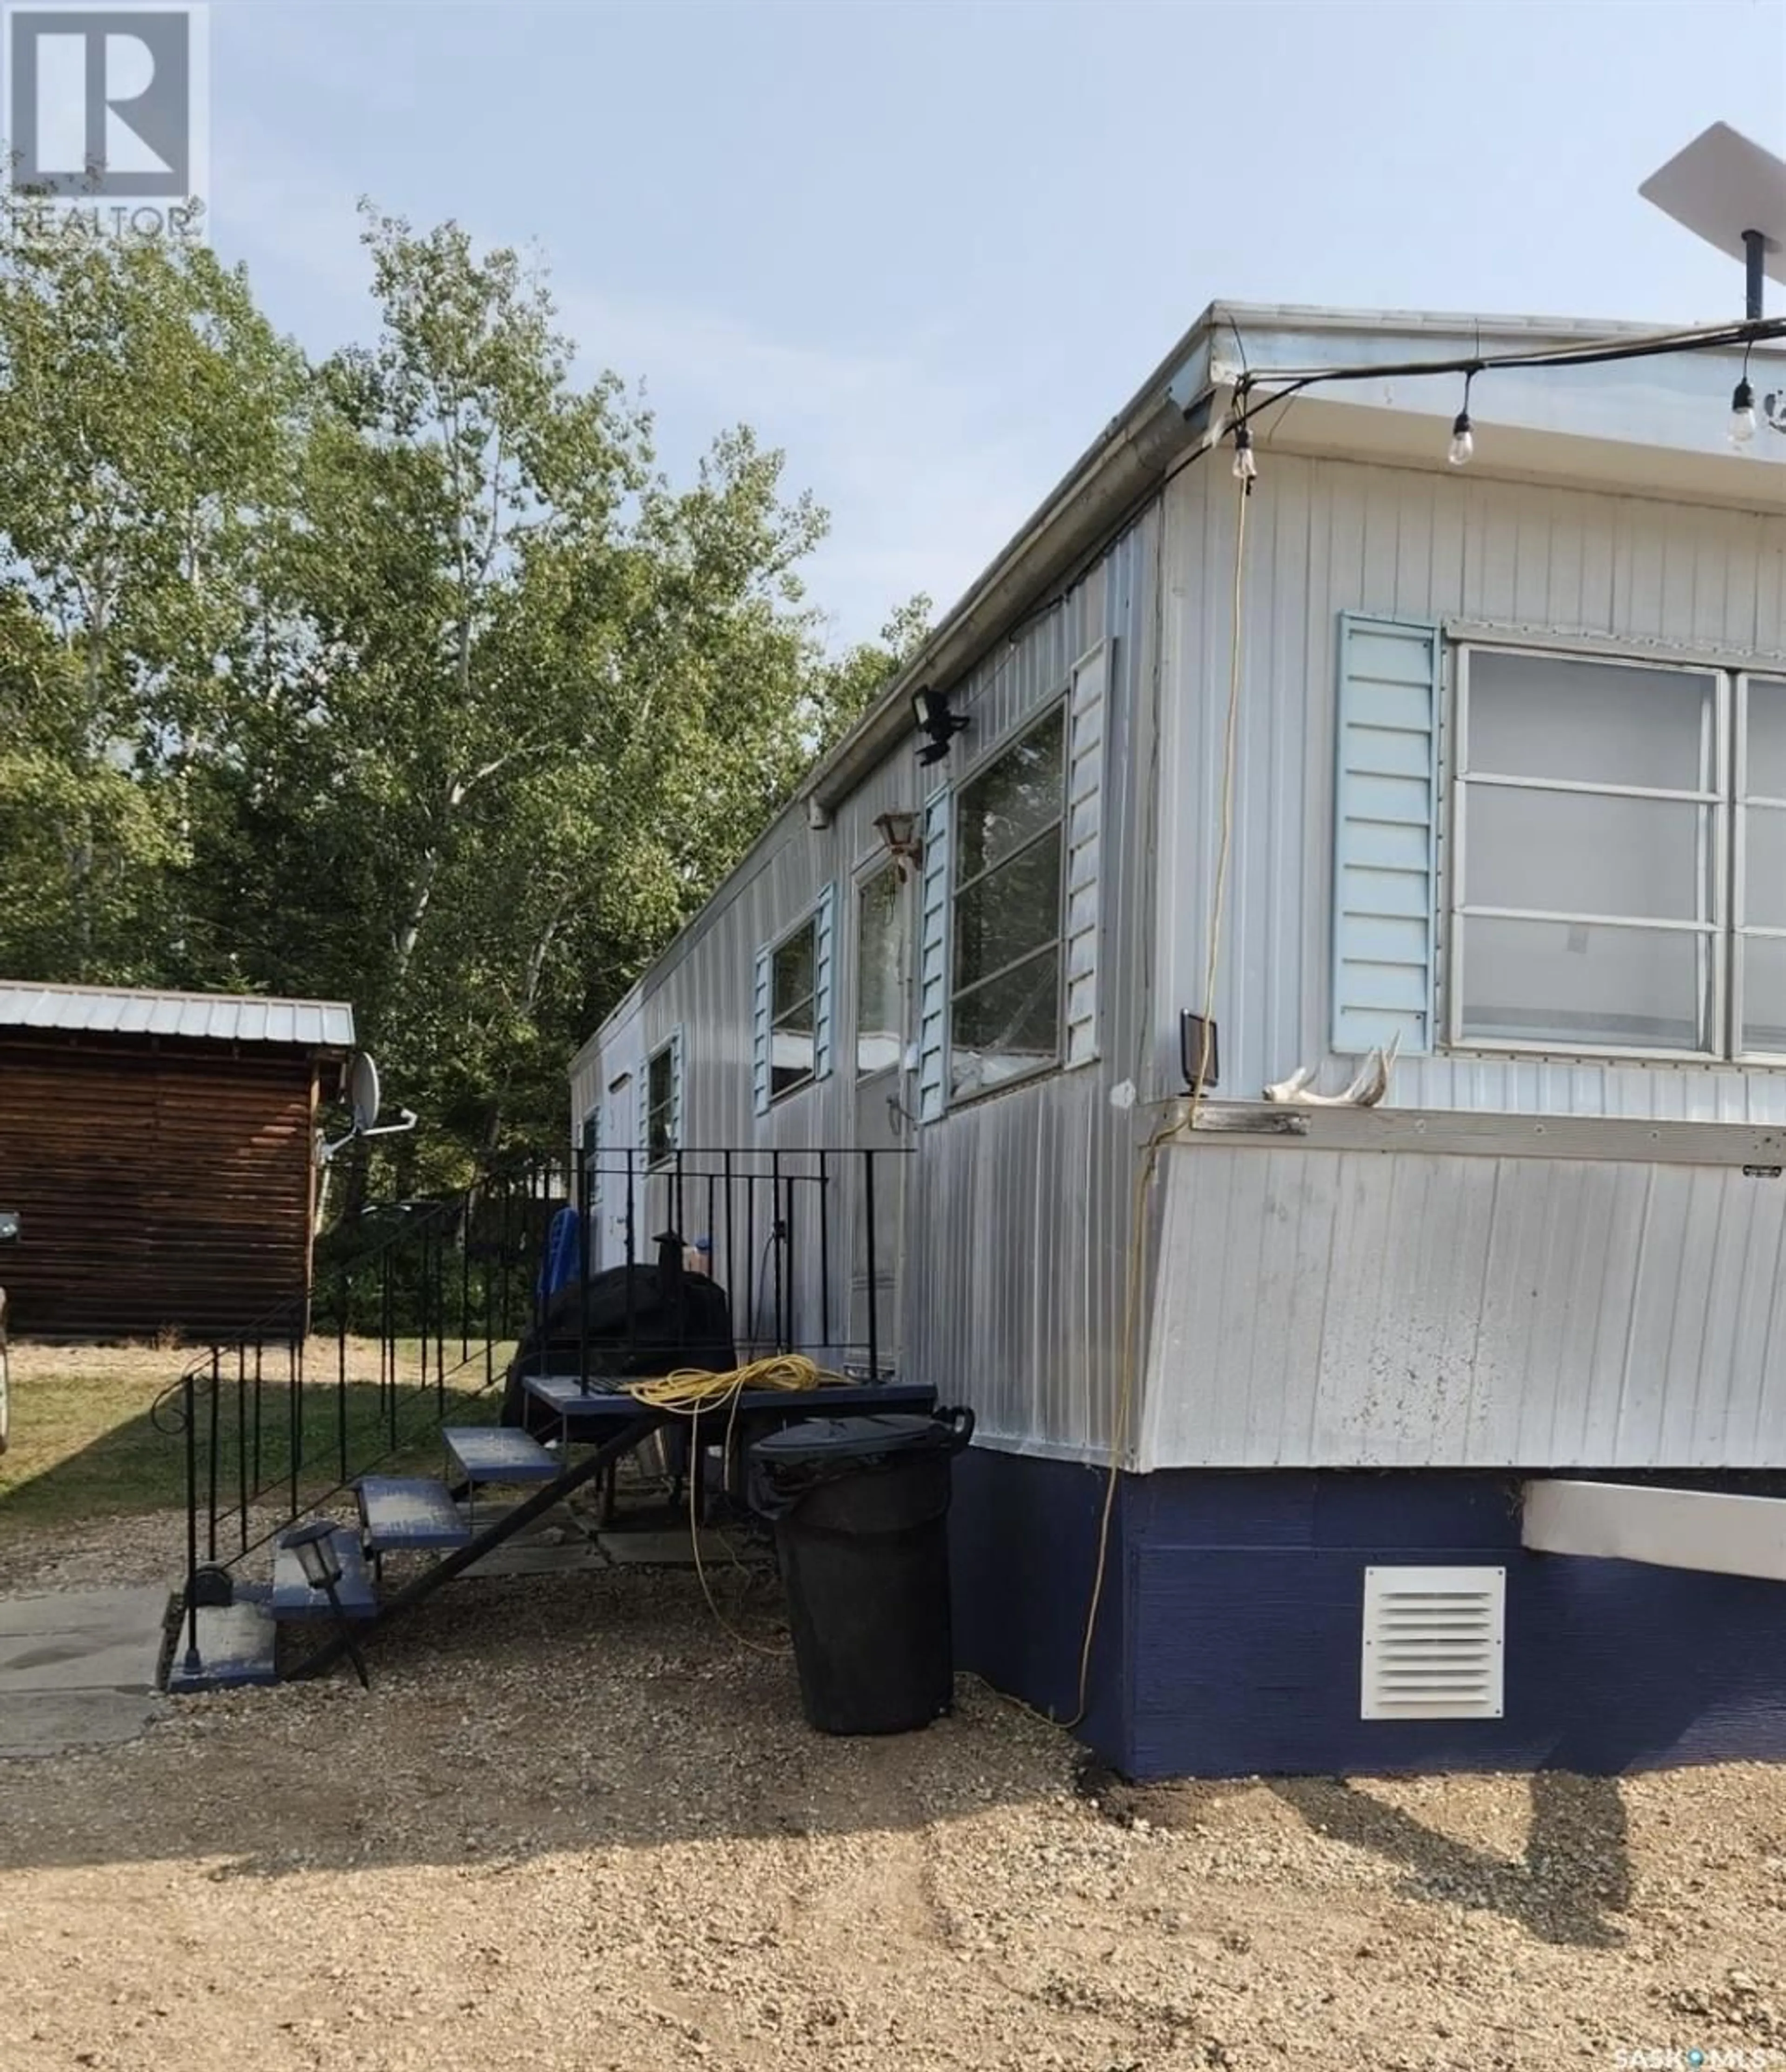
468	1267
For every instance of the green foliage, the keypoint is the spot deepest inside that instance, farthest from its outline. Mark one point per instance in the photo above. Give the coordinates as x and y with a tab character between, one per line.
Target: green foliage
404	677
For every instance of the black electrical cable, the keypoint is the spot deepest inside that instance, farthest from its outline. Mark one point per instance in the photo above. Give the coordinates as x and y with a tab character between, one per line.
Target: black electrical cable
1279	384
1286	384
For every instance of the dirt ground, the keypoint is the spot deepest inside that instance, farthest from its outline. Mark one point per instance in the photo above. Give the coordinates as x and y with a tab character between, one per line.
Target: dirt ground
574	1825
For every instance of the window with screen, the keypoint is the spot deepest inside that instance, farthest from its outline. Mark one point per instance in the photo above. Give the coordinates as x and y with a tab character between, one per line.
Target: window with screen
1618	864
1005	1001
880	971
661	1105
793	1009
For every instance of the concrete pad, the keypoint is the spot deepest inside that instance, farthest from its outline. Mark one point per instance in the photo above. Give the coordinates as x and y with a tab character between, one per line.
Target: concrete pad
522	1557
78	1668
81	1640
671	1549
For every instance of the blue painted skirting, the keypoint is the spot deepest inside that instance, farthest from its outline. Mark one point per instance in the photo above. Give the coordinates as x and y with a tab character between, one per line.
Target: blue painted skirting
1229	1638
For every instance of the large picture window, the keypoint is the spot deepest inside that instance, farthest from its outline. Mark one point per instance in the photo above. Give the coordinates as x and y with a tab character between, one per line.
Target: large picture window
880	971
1005	972
793	1009
1605	895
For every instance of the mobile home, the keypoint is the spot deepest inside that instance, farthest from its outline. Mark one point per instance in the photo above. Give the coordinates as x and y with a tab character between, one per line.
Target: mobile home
1359	1412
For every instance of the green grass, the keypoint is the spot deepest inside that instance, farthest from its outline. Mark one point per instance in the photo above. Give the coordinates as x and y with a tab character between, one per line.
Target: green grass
84	1444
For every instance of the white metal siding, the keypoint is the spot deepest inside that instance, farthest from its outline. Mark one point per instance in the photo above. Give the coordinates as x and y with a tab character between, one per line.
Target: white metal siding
1327	536
1016	1206
1365	1308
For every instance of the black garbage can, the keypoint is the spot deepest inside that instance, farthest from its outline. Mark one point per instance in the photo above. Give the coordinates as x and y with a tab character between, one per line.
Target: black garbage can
860	1512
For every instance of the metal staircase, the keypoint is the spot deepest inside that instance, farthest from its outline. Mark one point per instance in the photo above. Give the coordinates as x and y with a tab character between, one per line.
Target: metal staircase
319	1416
224	1644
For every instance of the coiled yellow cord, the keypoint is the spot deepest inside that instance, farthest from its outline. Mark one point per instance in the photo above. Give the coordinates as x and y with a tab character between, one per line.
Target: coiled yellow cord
691	1390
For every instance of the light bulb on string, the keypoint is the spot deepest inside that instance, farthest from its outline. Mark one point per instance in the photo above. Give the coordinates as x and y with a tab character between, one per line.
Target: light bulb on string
1462	450
1742	413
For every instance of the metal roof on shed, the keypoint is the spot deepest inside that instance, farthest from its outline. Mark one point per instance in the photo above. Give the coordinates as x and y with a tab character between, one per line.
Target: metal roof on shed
223	1018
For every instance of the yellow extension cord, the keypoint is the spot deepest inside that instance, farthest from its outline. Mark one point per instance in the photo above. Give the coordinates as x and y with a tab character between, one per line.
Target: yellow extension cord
689	1391
693	1389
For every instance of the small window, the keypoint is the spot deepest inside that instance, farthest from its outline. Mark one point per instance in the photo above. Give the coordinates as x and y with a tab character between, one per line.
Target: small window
661	1105
880	972
1005	970
592	1157
793	1009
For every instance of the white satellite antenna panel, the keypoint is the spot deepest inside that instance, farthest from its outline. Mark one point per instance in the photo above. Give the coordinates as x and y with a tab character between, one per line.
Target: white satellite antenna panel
1727	190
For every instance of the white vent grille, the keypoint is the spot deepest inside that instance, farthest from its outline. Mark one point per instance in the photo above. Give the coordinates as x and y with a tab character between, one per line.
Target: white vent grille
1435	1643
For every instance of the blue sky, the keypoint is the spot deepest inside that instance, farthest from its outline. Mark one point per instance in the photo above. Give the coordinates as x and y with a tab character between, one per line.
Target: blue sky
930	248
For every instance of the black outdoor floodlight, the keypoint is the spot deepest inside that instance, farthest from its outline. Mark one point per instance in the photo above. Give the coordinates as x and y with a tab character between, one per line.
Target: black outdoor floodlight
320	1560
930	709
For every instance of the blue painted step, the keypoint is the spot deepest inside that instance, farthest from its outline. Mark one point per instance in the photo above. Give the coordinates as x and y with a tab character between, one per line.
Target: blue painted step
235	1645
293	1598
499	1453
404	1512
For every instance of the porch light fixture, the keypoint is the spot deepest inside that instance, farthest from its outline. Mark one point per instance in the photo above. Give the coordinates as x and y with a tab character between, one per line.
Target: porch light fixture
930	709
314	1545
899	832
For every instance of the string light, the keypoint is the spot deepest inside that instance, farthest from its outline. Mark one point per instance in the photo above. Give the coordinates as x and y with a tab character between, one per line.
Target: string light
1277	385
1742	406
1463	447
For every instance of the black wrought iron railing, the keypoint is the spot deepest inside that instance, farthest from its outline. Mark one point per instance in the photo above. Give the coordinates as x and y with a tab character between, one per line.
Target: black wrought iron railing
802	1242
419	1307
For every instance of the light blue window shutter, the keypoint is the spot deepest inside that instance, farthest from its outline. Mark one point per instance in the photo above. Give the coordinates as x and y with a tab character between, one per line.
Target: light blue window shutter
644	1115
1085	730
675	1088
933	965
1385	830
759	1034
824	915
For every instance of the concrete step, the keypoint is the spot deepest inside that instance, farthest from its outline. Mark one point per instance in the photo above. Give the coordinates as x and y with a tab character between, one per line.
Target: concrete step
499	1453
235	1645
402	1513
293	1598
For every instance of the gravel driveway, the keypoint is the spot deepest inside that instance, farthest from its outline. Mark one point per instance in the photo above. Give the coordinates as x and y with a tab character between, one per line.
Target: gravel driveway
574	1825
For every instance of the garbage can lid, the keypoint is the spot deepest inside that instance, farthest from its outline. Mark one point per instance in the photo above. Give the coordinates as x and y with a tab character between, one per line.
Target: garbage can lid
787	1464
835	1439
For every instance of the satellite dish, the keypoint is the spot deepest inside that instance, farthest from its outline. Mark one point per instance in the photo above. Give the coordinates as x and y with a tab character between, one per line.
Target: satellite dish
363	1095
1732	193
364	1098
